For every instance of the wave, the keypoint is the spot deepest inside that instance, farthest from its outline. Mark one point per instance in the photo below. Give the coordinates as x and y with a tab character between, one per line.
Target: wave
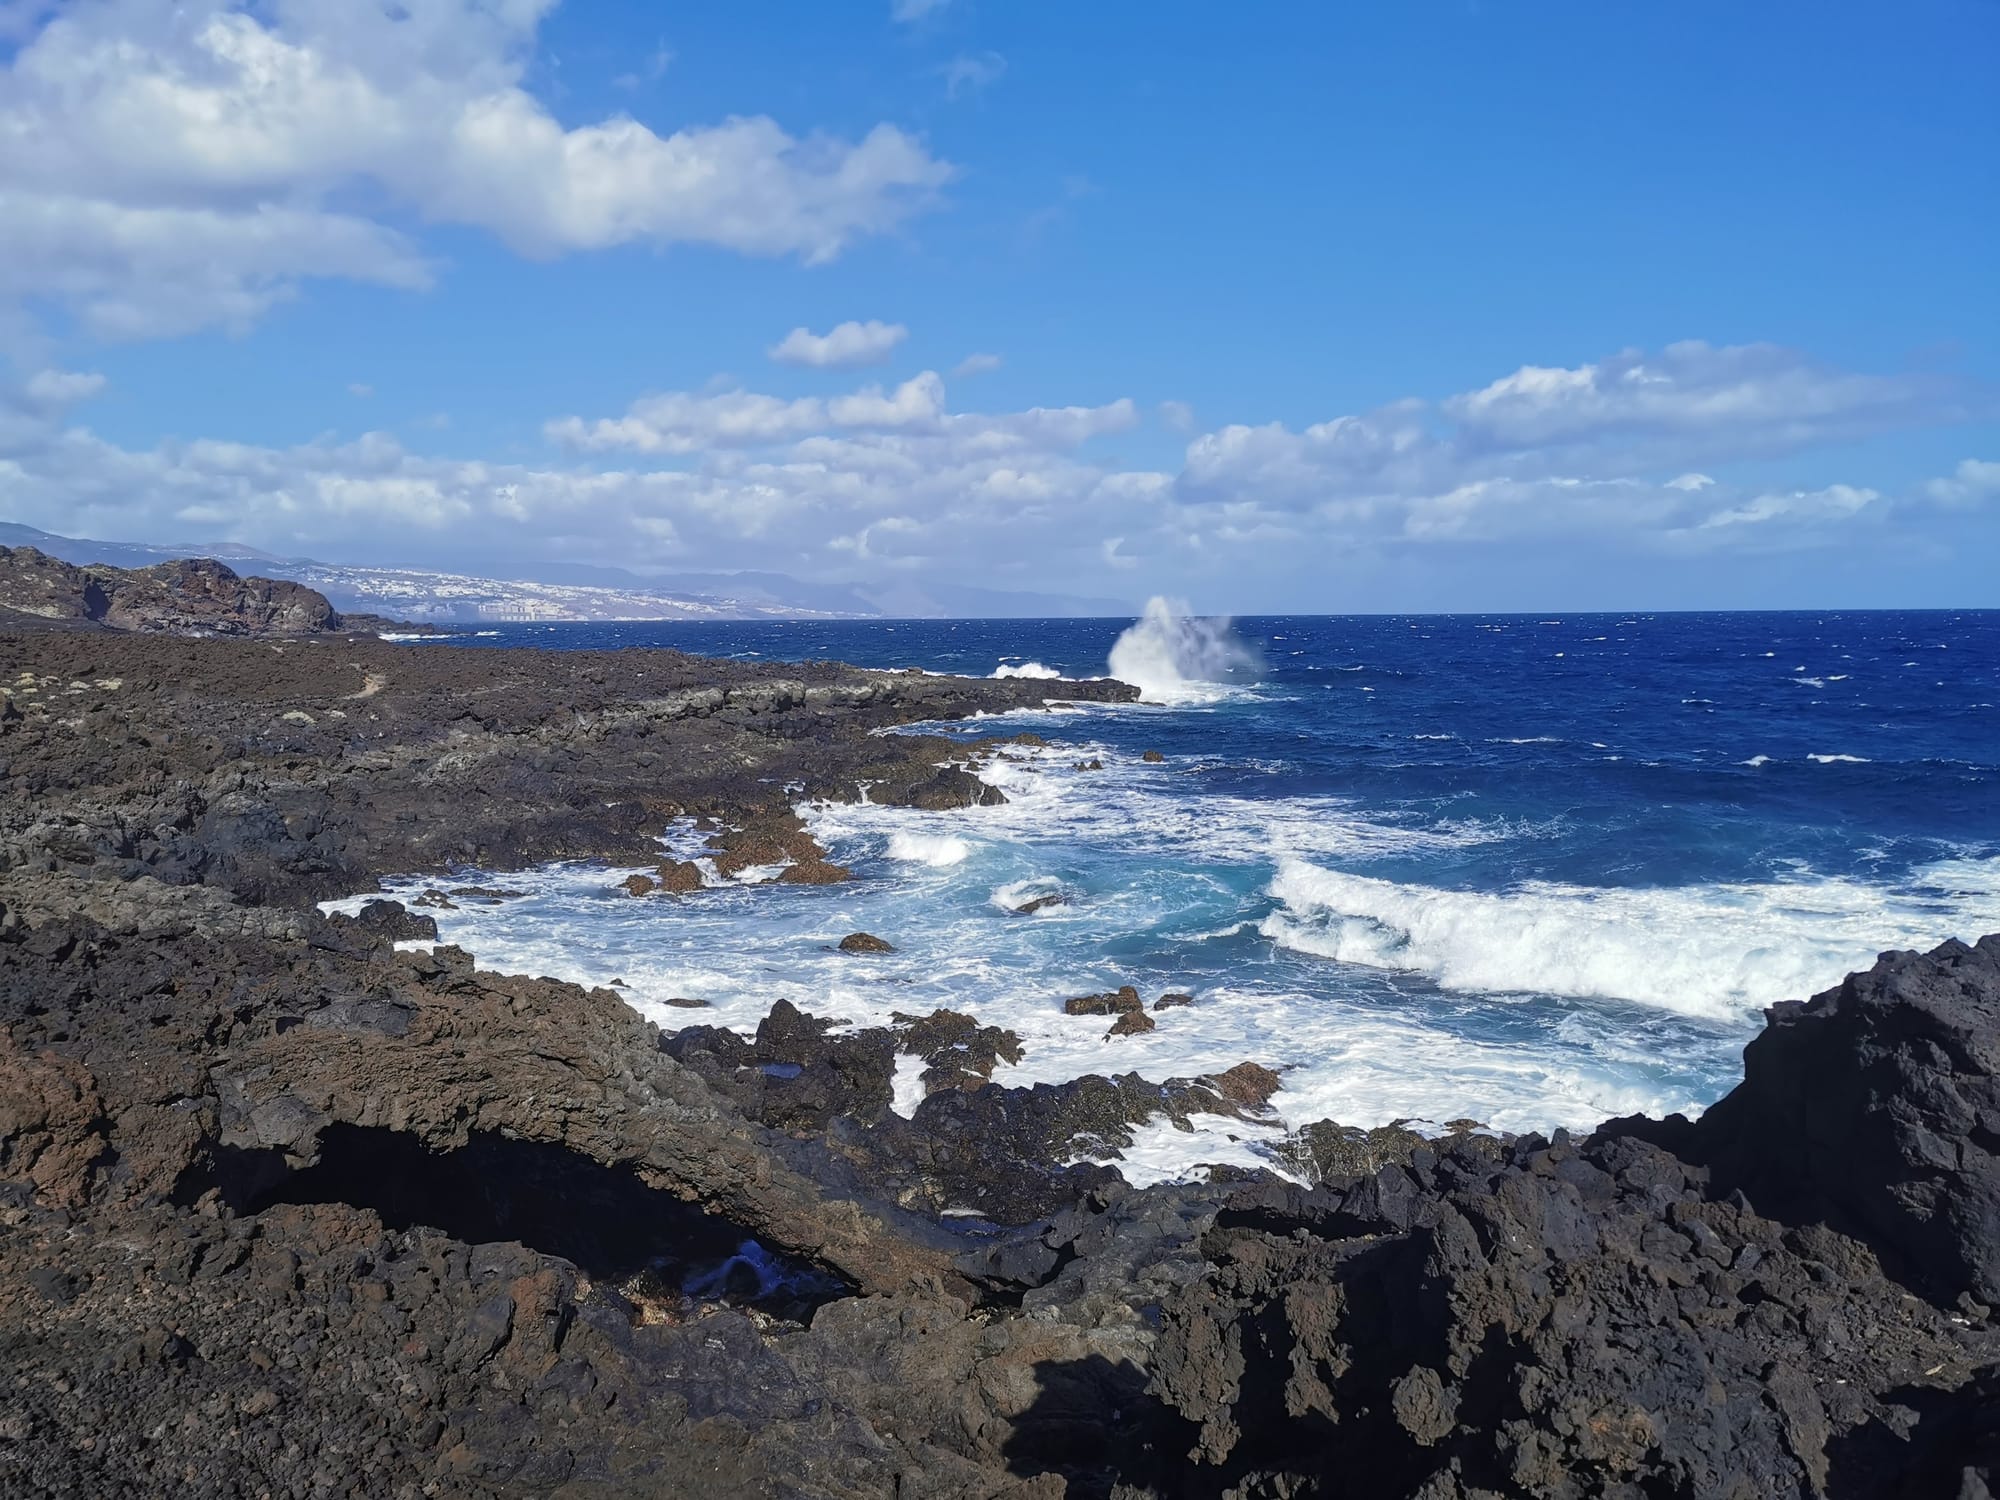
1173	656
1840	760
1712	951
1032	669
937	849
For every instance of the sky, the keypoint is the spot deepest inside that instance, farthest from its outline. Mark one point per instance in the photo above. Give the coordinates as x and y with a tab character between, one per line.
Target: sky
1279	308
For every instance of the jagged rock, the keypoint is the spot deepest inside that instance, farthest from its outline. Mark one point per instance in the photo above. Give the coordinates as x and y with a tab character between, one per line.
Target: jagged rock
639	885
1153	758
1172	999
1247	1084
680	877
1040	903
393	921
951	787
864	942
1122	1000
1131	1023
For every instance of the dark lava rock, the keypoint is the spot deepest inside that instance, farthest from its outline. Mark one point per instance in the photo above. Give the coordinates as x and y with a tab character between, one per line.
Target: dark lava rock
1247	1084
1875	1106
1131	1023
864	942
639	885
392	921
1152	758
1172	999
951	787
1040	903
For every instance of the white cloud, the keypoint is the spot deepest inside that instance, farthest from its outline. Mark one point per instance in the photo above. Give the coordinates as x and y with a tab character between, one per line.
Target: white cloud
168	169
1834	503
882	478
1748	397
1177	415
977	364
842	346
62	387
1973	481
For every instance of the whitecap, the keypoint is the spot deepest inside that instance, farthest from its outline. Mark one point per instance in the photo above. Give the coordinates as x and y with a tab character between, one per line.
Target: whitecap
927	848
1032	669
1173	656
1841	760
1713	951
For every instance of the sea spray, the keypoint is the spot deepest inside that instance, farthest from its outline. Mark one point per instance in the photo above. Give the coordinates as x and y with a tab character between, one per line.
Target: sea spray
1173	656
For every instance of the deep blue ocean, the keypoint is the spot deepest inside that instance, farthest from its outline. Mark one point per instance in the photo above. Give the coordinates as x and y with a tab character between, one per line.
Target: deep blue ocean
1535	871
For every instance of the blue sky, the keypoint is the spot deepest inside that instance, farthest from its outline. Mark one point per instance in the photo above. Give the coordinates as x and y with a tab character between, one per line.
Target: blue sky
1306	308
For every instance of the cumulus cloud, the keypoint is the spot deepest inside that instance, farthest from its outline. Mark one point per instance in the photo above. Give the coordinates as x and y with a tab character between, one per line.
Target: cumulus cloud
163	169
1973	481
977	364
842	346
883	478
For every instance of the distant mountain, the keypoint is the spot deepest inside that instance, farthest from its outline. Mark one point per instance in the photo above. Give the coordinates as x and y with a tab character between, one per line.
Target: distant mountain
578	591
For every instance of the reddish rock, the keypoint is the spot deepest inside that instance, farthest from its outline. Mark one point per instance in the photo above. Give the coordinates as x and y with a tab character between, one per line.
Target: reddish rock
680	876
1130	1023
864	942
639	885
1116	1002
1248	1085
816	872
1152	757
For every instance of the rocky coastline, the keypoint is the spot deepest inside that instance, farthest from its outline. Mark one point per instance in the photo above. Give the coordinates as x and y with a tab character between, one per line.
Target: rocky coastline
288	1209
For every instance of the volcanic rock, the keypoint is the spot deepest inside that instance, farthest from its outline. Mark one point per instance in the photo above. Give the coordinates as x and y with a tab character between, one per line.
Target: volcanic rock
1172	999
1131	1023
1114	1002
864	942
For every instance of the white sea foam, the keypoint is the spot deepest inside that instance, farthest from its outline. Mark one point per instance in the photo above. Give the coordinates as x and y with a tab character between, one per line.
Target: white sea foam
906	1089
1839	760
1756	760
1173	656
1714	951
1032	669
927	848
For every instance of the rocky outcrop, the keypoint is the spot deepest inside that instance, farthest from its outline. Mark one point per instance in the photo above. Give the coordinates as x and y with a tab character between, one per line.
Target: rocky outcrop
194	596
287	1208
1875	1107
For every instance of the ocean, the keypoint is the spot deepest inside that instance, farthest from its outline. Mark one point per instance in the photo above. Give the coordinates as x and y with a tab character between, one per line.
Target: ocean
1534	871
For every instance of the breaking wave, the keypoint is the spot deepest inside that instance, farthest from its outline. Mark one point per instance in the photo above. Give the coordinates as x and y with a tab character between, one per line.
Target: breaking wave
1032	669
1173	656
1714	951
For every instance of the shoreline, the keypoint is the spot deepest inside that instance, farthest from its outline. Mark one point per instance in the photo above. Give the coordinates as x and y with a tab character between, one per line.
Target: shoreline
211	1091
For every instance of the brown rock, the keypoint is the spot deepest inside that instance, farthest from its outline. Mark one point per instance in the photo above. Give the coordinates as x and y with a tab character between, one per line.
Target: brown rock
680	876
816	872
1152	757
1131	1023
864	942
1172	999
681	1002
1248	1085
1093	764
1121	1001
639	885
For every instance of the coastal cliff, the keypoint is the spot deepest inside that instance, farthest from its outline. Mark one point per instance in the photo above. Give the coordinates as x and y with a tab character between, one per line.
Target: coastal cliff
285	1207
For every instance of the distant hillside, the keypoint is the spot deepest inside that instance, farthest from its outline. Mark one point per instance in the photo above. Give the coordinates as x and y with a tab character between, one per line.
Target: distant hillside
185	596
576	591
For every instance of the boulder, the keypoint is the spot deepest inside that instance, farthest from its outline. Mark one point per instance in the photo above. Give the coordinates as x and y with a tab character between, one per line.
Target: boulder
1248	1085
1111	1003
1172	999
639	885
680	876
815	872
951	787
1131	1023
1152	757
864	942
